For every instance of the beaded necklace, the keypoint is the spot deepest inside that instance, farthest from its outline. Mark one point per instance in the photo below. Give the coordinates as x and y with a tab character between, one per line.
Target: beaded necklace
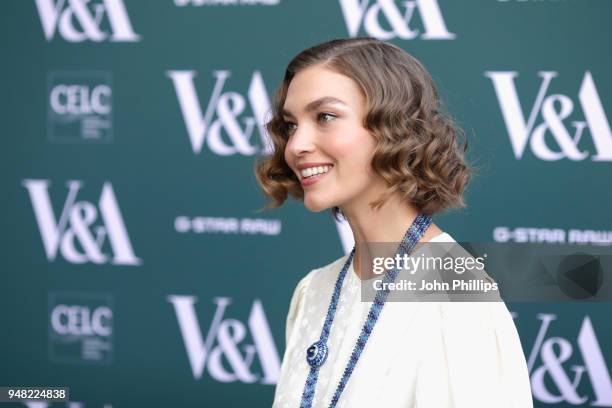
316	354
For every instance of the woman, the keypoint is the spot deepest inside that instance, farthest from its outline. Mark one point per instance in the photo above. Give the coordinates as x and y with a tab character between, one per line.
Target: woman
357	127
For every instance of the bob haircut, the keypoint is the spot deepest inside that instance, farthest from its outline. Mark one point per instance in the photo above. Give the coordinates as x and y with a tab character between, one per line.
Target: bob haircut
417	152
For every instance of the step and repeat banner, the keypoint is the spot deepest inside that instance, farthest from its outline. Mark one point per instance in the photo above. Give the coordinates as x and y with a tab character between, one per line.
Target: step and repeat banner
137	267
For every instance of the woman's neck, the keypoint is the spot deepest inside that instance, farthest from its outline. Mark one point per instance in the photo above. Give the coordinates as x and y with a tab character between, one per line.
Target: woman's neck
388	224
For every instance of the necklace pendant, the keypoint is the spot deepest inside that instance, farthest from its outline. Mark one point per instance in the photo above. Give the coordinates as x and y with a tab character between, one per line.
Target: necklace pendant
316	354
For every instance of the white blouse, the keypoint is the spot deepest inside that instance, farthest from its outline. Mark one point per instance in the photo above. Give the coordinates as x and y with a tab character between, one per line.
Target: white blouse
419	355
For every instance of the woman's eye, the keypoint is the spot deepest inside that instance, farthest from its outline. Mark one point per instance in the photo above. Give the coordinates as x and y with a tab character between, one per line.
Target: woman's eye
321	117
289	127
325	117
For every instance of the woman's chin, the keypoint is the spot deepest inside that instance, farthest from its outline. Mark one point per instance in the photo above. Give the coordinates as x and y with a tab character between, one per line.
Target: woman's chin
314	206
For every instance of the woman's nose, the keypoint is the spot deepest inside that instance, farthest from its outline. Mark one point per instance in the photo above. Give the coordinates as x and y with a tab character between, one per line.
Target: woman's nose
302	141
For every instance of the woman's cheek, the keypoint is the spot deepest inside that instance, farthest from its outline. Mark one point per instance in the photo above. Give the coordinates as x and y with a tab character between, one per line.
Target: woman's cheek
342	144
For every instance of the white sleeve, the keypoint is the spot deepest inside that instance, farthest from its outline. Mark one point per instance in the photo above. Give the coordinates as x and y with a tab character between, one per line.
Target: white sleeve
295	306
473	358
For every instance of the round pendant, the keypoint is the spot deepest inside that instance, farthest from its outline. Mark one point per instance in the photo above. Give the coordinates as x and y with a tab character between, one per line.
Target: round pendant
316	353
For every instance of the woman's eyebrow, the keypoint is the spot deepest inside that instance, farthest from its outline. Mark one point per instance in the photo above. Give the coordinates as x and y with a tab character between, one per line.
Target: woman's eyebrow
314	105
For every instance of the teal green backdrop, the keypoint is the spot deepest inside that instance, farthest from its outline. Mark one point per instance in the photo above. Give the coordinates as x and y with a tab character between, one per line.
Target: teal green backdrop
136	269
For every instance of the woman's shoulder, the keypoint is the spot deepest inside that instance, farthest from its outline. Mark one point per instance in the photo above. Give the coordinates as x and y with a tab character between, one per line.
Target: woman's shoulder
330	271
336	265
443	237
322	274
315	281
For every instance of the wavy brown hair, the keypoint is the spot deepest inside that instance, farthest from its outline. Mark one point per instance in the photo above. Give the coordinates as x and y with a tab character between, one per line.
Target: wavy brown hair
418	153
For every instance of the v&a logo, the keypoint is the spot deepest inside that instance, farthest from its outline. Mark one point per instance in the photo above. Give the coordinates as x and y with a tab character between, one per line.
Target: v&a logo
76	223
227	106
360	13
555	109
78	21
553	383
228	334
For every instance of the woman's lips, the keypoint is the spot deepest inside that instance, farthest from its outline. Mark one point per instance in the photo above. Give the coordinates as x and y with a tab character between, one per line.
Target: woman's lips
308	181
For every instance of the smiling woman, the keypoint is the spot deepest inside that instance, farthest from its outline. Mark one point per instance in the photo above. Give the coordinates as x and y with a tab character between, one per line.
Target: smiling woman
357	127
327	132
374	109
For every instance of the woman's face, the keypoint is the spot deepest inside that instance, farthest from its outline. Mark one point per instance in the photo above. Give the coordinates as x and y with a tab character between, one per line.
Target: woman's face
324	112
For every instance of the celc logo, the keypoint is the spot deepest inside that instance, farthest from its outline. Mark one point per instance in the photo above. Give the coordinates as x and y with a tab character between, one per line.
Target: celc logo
78	21
80	106
223	111
223	342
554	110
80	327
360	13
555	353
76	223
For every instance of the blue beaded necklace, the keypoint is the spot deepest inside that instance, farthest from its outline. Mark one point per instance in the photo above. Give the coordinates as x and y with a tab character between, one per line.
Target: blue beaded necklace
316	354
